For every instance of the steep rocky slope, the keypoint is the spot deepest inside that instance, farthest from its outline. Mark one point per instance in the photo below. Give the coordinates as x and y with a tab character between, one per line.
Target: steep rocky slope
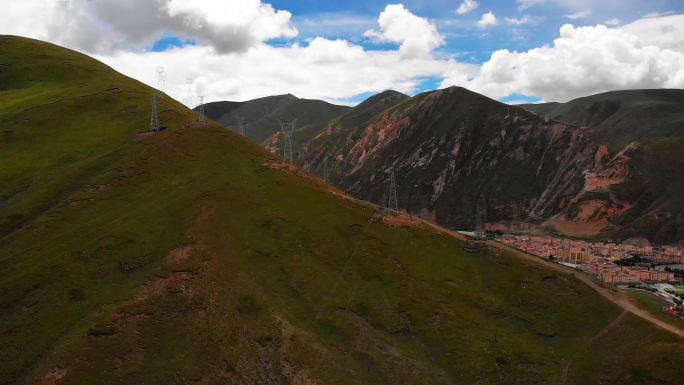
459	156
648	127
193	256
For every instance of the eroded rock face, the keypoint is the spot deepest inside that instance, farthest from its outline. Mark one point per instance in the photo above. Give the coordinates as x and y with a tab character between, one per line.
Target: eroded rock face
591	210
458	156
455	152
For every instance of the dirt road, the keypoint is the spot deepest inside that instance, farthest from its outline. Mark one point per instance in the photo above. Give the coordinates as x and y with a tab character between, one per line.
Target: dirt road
604	331
614	295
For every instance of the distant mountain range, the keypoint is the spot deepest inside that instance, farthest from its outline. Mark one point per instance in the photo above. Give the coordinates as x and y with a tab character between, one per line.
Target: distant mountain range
261	117
608	166
622	117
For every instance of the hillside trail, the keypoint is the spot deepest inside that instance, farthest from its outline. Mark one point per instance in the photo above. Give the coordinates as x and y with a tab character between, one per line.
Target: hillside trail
601	333
616	296
452	233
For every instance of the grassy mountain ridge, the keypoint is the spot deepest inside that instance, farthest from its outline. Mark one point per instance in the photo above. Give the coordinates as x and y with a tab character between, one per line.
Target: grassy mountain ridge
262	115
193	256
623	116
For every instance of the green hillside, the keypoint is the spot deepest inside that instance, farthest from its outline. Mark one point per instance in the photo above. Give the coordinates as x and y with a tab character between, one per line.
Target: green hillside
193	256
623	116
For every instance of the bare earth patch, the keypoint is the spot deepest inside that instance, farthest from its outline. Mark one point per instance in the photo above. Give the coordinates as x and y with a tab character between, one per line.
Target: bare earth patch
574	228
401	220
295	374
158	286
98	188
54	375
179	254
282	166
142	136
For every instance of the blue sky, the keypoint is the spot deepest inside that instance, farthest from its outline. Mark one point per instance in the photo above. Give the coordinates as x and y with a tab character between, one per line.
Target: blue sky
351	18
344	51
464	40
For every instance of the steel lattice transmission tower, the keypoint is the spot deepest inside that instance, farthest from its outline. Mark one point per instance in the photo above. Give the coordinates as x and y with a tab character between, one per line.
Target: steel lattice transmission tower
163	84
154	118
392	201
287	128
241	124
160	79
189	81
479	234
201	117
325	169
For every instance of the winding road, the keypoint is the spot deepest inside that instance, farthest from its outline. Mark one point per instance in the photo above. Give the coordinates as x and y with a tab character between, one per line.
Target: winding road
616	296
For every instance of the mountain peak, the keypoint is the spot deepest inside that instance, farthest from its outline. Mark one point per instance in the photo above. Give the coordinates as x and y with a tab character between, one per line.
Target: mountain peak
385	97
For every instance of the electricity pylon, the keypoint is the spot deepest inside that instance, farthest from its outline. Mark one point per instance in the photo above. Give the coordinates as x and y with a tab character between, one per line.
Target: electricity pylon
154	118
287	128
241	124
201	117
325	169
163	84
392	201
189	81
479	234
160	77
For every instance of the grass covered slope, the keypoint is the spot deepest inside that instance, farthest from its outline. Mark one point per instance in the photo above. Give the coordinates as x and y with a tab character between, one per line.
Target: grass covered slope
623	116
262	116
192	256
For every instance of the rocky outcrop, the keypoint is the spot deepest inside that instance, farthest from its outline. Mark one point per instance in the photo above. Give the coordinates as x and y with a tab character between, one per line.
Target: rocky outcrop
459	156
455	153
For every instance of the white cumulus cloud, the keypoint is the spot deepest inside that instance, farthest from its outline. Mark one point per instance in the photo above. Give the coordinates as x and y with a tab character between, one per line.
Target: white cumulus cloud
524	20
109	25
578	15
524	4
466	6
233	59
664	32
325	69
230	24
487	19
580	62
417	36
